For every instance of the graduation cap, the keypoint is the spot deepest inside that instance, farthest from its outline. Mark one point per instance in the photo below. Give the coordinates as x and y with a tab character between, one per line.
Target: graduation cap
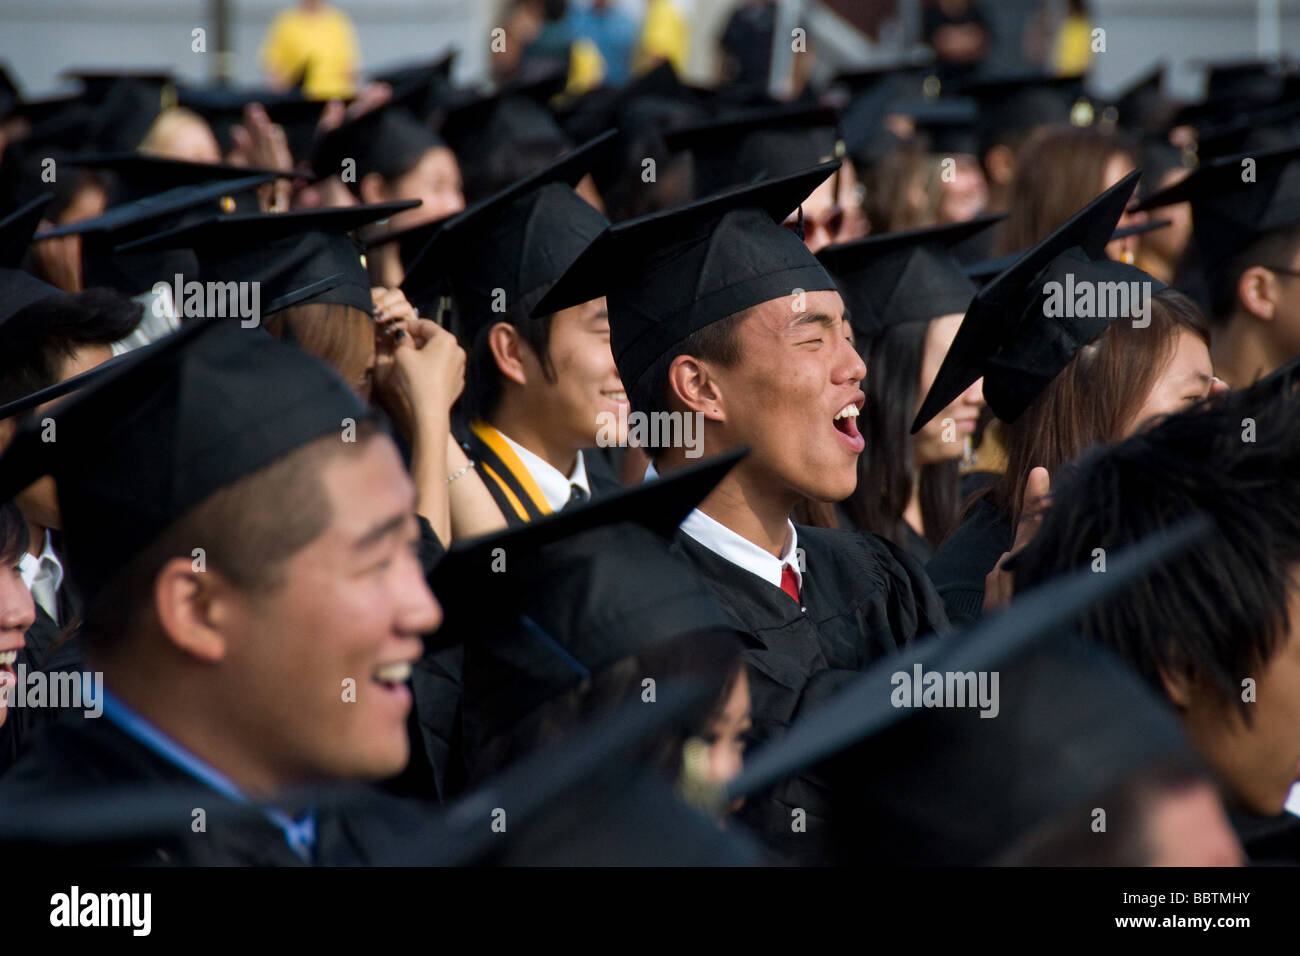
423	88
1246	82
898	277
18	288
98	82
1013	104
410	240
743	147
174	422
295	257
1253	131
1140	105
514	119
1072	723
223	107
387	140
519	241
60	122
669	274
125	103
103	265
1228	213
986	269
586	802
574	599
904	76
948	124
10	94
1007	336
139	175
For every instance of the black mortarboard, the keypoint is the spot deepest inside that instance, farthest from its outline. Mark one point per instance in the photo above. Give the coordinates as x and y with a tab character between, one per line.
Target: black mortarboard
472	567
10	94
1071	723
1139	106
103	265
62	123
1253	131
1009	105
740	148
947	124
223	107
423	88
410	241
1007	337
505	136
140	175
1228	212
587	801
516	242
669	274
18	288
898	277
387	140
126	103
540	613
986	269
176	421
903	77
295	257
1245	83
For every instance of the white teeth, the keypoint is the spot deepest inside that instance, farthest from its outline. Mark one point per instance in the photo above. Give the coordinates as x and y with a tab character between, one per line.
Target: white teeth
848	411
617	396
394	673
8	657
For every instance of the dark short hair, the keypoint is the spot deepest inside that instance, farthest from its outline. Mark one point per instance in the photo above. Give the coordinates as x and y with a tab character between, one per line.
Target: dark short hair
1274	248
1218	613
42	336
247	531
716	342
13	533
483	387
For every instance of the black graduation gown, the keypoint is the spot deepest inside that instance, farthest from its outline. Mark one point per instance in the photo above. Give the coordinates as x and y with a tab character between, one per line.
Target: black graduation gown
1269	841
95	756
960	565
864	598
917	546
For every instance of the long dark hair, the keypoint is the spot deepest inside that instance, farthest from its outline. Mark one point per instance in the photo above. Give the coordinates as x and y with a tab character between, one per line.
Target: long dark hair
887	470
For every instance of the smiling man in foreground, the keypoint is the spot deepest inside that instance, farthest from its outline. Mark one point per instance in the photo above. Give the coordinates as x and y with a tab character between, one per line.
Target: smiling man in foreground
245	542
717	310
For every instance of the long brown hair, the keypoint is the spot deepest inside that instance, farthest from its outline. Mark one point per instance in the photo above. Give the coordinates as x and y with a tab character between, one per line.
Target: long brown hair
1059	170
1095	397
340	335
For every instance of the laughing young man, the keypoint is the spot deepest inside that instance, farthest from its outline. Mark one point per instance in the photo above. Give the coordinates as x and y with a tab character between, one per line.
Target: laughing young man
253	596
537	388
718	311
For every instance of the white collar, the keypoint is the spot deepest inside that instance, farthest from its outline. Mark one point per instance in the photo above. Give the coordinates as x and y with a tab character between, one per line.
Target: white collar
30	565
740	551
550	479
1293	800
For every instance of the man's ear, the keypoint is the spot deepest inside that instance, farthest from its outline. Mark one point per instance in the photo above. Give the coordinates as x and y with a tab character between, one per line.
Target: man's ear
696	387
194	608
8	426
1178	688
1257	292
372	188
507	351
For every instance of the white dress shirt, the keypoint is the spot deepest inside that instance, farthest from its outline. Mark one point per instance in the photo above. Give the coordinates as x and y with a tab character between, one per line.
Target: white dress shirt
740	551
43	576
550	479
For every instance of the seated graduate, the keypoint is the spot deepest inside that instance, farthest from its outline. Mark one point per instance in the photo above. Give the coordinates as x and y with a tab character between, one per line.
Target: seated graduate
539	388
313	290
1081	766
17	612
721	319
1215	631
253	597
48	342
906	295
569	617
1060	377
1245	252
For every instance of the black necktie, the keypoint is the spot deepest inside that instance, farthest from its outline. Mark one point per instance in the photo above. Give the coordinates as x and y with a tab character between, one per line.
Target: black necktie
576	495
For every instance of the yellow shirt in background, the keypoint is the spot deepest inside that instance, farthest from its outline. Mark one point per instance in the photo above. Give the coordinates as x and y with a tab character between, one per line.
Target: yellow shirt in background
663	37
1072	49
324	43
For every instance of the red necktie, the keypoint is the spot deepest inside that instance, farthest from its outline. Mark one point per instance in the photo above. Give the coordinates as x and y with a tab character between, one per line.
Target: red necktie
790	583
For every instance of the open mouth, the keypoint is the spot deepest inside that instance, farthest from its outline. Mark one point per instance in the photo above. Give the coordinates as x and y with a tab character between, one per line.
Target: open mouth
393	675
846	423
8	678
619	395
